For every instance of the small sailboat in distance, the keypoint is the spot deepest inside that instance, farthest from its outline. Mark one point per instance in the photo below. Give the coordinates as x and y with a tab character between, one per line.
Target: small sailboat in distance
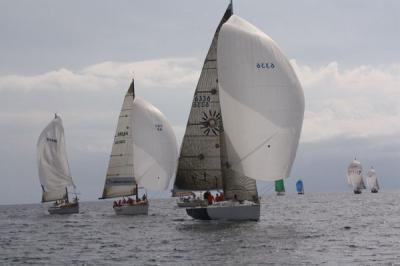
244	124
280	187
143	155
354	176
54	172
372	180
300	187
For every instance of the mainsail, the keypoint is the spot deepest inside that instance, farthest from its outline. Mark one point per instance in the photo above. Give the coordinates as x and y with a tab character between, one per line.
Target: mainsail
354	175
199	166
120	180
54	171
144	151
372	179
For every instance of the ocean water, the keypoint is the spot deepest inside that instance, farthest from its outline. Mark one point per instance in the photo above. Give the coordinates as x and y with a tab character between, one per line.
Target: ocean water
313	229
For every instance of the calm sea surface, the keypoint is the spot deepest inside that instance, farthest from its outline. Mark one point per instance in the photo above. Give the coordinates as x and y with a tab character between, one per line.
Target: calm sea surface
316	228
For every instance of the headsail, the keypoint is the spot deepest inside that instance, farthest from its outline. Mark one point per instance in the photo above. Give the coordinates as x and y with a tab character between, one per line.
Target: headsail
199	166
372	179
155	149
54	171
354	175
299	186
279	186
264	99
120	177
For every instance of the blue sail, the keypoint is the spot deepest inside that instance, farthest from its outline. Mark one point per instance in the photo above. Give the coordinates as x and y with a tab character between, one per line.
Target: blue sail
299	186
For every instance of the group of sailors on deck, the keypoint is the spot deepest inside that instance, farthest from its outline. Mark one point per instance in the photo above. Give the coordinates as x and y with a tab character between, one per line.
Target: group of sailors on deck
130	201
211	199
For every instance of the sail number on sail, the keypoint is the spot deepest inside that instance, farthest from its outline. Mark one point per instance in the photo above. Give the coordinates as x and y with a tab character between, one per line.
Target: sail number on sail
266	65
51	140
201	101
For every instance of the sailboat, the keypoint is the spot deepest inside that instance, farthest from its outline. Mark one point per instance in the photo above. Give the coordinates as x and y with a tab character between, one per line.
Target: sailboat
354	176
54	172
372	180
244	124
280	187
144	155
300	187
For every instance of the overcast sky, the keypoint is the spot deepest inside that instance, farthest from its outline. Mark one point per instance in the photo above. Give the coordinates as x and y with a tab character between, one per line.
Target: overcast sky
77	58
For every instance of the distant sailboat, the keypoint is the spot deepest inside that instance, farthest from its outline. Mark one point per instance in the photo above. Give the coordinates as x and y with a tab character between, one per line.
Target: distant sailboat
144	153
372	180
299	187
54	173
354	176
280	187
244	124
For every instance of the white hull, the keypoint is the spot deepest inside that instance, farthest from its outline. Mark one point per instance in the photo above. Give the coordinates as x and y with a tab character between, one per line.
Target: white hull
64	209
227	210
137	209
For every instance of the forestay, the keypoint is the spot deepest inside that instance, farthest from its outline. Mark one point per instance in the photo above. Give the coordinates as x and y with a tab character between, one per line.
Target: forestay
262	102
54	171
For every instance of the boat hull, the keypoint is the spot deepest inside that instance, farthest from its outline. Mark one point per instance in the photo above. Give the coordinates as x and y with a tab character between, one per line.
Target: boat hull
137	209
357	191
64	209
229	212
192	203
374	191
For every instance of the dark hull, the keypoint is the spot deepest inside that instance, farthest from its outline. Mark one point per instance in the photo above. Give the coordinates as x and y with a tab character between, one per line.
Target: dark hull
374	191
198	213
66	209
228	211
357	191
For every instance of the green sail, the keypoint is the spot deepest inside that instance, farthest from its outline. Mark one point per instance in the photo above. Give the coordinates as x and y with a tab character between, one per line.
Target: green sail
279	186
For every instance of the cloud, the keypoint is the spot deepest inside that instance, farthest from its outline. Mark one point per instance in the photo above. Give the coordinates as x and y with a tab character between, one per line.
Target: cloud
359	102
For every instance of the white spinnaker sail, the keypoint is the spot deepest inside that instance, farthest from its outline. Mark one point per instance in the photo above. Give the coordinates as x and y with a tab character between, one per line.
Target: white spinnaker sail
354	175
372	179
120	179
54	171
155	150
262	102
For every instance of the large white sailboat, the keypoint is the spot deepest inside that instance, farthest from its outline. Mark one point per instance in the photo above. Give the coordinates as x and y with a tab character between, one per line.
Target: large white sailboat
144	154
244	124
54	172
354	176
372	180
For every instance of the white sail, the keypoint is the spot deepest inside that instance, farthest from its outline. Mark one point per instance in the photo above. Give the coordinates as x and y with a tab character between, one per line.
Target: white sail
144	152
372	179
354	175
155	149
54	171
262	102
120	178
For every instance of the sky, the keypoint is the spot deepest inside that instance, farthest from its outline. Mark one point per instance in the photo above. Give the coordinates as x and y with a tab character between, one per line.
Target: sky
77	58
